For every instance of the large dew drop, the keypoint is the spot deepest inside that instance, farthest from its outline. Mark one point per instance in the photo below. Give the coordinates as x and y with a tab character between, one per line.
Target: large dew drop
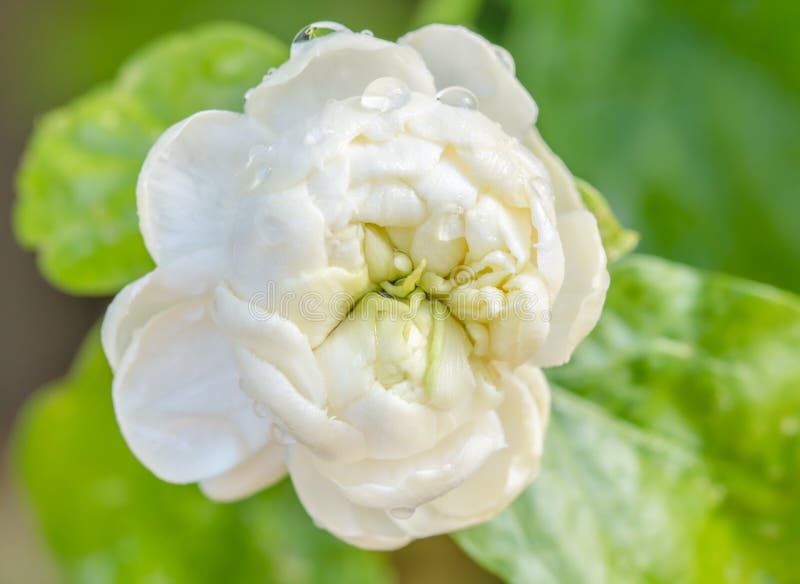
316	30
458	96
384	94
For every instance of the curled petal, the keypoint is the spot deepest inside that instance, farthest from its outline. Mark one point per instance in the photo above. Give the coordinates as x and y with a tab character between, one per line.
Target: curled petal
565	191
580	301
177	397
413	481
306	422
185	194
264	468
458	56
488	491
186	278
271	338
361	526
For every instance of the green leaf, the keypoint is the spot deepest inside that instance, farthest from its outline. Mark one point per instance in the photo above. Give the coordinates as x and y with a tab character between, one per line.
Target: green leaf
76	201
674	450
686	114
617	240
110	520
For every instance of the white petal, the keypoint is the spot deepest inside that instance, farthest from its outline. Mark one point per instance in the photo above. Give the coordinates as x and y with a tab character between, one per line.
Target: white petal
264	468
523	414
392	426
271	338
331	510
305	421
177	398
139	301
458	56
580	300
185	193
333	67
413	481
403	157
565	191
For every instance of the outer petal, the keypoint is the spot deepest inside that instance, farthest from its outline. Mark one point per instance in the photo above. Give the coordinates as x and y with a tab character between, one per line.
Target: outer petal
361	526
523	413
413	481
185	194
177	398
186	278
332	67
458	56
565	190
261	470
486	493
305	421
580	300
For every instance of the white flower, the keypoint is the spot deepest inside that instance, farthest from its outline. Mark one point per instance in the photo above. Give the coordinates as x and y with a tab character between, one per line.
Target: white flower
357	280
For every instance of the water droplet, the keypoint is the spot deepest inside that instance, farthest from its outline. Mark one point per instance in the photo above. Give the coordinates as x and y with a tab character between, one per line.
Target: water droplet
458	96
367	32
257	169
384	94
505	58
316	30
402	512
260	410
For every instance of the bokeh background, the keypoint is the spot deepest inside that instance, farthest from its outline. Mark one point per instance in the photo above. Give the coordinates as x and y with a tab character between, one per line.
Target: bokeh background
685	114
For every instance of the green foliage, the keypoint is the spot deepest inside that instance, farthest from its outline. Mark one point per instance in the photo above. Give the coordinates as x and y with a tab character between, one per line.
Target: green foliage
110	520
674	450
463	12
686	114
76	186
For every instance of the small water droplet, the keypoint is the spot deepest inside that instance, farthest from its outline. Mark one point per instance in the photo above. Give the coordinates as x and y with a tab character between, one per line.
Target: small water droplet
505	58
402	512
281	436
384	94
316	30
257	169
367	32
458	96
260	410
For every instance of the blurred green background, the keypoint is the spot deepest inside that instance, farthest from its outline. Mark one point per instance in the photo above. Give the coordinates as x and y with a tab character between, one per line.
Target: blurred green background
685	114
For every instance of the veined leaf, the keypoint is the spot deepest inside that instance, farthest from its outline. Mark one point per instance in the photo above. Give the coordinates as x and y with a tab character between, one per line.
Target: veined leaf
76	187
674	452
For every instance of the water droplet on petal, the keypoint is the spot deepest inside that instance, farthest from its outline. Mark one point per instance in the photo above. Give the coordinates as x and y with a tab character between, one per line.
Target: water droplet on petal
402	512
257	169
260	410
384	94
316	30
505	58
280	435
367	32
458	96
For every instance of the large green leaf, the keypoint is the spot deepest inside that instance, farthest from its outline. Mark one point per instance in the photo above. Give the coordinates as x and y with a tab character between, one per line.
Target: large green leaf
110	520
687	114
674	450
76	187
